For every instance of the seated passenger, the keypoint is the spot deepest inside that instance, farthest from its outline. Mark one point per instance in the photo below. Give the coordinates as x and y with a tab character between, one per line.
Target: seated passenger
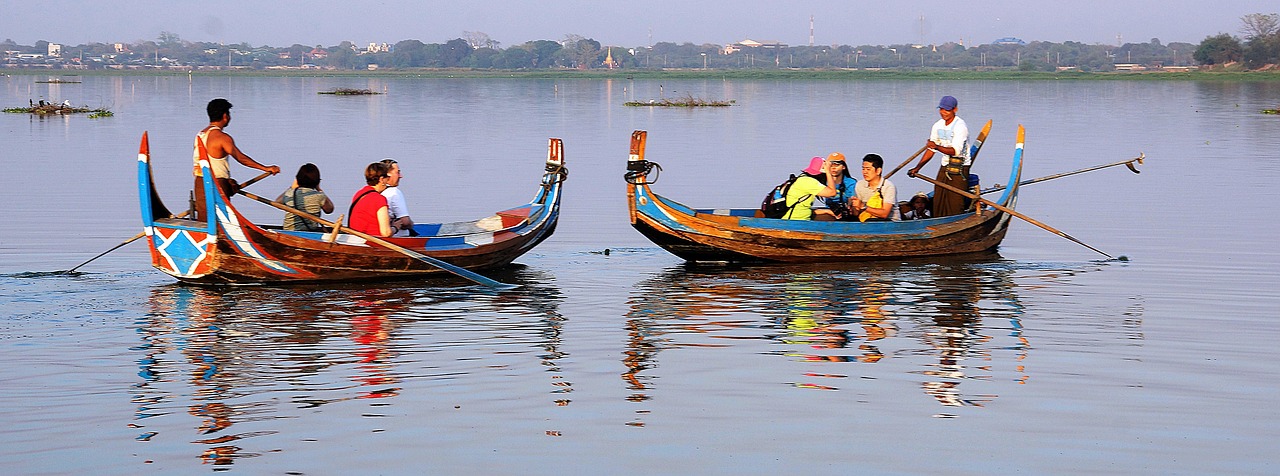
807	187
396	205
368	213
919	207
836	207
877	198
305	195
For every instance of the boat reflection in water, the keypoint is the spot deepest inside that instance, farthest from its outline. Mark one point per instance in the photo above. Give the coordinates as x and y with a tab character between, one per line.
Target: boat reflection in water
254	362
948	322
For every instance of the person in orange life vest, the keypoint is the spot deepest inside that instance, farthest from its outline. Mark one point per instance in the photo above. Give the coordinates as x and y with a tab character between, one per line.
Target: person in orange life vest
219	146
368	213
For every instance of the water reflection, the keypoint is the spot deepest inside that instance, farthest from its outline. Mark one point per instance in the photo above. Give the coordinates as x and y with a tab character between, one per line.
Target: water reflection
234	364
951	322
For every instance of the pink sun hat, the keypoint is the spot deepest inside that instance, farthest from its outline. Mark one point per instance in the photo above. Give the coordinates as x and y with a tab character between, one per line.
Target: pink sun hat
815	166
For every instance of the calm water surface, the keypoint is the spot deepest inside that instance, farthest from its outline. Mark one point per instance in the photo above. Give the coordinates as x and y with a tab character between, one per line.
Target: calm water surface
1043	358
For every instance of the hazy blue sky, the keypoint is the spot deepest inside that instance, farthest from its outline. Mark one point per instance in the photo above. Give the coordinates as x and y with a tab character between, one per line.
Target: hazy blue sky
623	23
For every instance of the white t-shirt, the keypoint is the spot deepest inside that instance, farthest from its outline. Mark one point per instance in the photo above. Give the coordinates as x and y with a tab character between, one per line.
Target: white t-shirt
954	135
396	206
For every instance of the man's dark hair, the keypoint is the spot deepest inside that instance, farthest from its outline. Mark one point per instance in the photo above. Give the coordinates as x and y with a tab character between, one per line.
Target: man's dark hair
217	108
875	160
308	176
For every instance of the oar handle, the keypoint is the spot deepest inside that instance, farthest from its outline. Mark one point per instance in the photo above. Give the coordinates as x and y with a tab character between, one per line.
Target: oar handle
905	162
1011	212
456	270
255	179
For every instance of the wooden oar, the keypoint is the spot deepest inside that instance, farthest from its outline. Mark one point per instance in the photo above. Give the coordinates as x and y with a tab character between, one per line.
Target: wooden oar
905	162
142	234
1127	163
456	270
1010	211
116	247
255	179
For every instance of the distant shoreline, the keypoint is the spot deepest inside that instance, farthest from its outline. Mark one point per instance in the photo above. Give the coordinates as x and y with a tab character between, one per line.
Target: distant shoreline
788	74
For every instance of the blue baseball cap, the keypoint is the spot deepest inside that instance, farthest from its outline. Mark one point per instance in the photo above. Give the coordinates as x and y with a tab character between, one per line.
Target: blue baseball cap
948	103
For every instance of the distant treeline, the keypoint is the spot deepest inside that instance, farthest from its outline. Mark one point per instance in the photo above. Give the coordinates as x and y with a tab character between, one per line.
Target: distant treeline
1257	50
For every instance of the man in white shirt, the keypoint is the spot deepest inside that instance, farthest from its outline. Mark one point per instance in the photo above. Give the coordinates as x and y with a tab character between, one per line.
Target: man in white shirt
396	206
950	137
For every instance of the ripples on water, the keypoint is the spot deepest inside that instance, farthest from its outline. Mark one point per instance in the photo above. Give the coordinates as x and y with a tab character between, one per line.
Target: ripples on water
224	360
234	373
957	321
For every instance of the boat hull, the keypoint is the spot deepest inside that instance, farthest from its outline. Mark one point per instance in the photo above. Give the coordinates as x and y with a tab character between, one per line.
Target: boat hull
754	247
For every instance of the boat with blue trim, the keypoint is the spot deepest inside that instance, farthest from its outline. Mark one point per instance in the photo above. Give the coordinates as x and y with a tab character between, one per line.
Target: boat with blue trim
744	235
224	247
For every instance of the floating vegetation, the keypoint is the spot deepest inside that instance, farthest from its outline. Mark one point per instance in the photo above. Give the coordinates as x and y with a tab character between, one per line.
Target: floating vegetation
1271	111
59	81
60	109
687	101
349	92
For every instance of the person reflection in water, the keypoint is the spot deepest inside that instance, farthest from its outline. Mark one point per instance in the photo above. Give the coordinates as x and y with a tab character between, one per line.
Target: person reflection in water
956	332
875	326
372	331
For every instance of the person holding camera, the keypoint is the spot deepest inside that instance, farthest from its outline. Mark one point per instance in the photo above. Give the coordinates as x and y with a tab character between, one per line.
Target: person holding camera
836	207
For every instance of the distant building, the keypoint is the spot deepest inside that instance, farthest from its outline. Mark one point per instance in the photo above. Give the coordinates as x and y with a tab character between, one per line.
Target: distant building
1008	40
55	49
752	45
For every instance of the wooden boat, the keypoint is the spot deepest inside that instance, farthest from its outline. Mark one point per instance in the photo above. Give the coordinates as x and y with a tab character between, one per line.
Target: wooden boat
743	235
228	248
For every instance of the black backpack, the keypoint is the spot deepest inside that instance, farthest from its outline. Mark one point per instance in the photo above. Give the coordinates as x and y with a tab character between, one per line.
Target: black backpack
774	204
